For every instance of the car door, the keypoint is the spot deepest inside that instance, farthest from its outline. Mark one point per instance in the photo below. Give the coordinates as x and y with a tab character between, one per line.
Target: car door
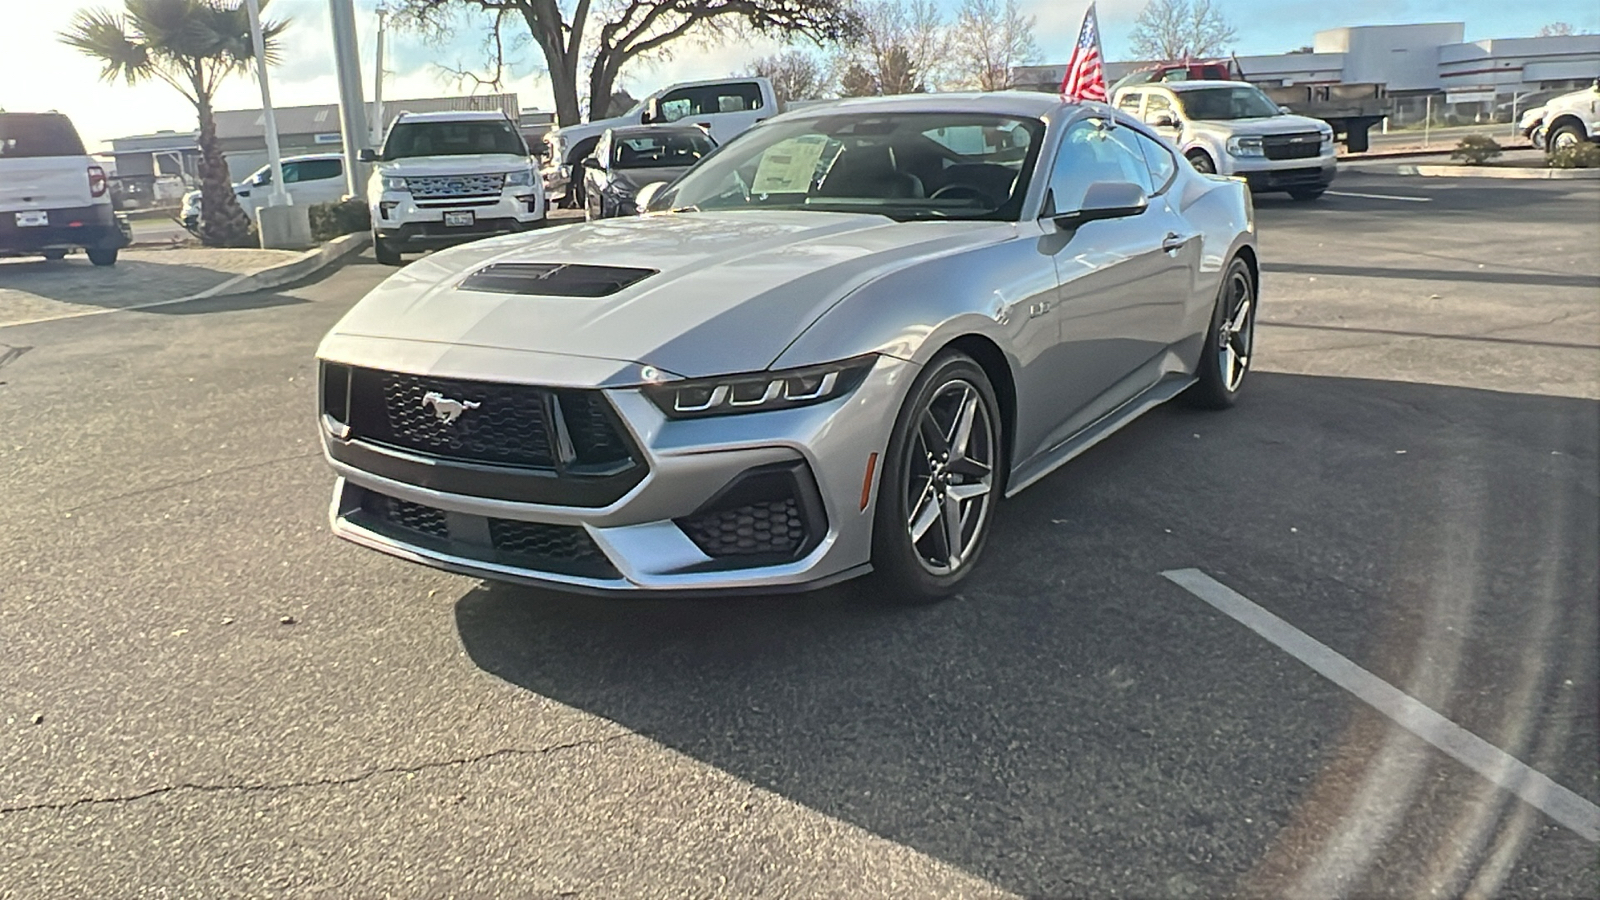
1161	114
1121	281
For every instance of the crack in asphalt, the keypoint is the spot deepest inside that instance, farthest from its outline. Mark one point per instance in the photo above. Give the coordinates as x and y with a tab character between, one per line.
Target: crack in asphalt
273	787
208	474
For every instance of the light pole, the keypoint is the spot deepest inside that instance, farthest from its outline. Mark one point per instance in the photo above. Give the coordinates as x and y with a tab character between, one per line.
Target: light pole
277	196
377	80
352	107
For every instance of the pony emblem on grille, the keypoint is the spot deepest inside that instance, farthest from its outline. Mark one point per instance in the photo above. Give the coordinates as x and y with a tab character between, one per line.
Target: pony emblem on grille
447	409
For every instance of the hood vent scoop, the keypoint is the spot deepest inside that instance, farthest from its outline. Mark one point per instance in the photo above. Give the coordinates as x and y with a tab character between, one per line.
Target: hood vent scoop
554	279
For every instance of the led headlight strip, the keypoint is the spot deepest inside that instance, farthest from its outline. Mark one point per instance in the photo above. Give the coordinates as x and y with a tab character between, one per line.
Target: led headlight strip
760	391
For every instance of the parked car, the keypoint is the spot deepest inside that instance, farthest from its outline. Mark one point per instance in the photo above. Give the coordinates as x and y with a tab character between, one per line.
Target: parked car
53	196
308	180
1232	128
723	108
831	347
627	159
445	178
1564	121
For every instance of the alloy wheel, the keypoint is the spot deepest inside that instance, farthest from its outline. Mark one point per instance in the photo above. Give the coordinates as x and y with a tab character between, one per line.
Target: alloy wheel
1236	334
1564	139
950	476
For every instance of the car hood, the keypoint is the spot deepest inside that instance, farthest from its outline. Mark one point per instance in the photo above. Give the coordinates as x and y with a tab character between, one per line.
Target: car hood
1265	125
730	291
465	164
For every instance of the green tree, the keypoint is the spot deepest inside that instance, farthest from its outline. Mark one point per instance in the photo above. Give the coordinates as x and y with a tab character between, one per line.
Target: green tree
191	45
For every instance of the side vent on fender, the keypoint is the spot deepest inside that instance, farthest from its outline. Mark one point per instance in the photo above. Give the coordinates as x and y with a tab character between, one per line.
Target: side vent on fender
554	279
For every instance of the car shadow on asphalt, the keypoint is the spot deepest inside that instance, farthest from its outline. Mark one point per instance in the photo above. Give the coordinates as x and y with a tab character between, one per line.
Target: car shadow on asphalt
74	280
1071	724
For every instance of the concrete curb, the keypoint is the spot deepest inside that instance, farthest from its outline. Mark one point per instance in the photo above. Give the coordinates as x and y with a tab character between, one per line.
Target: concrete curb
303	266
1492	172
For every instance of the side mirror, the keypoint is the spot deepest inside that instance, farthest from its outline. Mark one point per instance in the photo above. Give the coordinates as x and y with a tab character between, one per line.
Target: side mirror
641	200
367	155
1106	200
1285	110
1164	120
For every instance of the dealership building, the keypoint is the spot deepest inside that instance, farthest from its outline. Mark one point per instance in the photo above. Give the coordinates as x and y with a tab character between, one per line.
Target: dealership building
1422	66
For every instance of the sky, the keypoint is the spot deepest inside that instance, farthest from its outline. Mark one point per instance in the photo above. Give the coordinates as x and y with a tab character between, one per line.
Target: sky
37	72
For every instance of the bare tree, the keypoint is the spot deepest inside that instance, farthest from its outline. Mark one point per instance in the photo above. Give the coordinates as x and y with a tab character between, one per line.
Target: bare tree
1557	29
795	75
991	38
606	35
902	45
1181	29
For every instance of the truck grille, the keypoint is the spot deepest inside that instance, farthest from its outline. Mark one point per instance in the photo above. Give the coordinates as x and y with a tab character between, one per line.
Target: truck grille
433	187
495	423
1303	145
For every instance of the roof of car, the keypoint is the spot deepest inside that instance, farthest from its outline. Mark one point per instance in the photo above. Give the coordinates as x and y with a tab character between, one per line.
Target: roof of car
1008	103
456	115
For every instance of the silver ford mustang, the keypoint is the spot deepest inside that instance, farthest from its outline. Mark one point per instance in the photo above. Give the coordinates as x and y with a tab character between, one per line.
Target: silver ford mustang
829	348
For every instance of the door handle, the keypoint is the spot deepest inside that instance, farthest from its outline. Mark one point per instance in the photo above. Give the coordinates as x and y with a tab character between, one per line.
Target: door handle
1173	242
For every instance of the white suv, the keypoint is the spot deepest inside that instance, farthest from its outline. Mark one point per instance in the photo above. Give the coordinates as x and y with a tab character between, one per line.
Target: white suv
53	196
446	178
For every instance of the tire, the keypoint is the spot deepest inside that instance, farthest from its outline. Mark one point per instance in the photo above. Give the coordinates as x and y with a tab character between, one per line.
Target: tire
1202	163
386	255
1567	135
103	256
1306	194
54	254
916	570
1223	366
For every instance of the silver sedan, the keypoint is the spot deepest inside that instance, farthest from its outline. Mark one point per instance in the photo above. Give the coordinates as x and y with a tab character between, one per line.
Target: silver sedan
829	349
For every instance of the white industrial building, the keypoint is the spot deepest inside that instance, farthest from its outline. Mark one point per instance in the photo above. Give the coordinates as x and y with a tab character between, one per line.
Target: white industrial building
1422	66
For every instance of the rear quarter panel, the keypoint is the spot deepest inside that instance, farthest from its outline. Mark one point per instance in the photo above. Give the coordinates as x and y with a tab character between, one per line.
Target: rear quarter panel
1221	209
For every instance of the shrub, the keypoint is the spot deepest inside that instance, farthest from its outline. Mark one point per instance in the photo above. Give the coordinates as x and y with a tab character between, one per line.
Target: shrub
329	220
1583	155
1476	149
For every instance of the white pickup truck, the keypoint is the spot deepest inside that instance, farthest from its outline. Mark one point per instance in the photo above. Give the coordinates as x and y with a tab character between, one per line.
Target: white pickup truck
53	196
1564	121
724	108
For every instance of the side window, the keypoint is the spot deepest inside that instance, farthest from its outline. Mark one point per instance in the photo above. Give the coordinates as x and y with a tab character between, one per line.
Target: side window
1093	150
1159	158
737	98
1158	103
291	173
676	105
1130	103
318	170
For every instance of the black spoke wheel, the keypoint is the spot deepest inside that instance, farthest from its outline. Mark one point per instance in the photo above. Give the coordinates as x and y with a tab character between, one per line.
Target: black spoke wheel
941	478
1230	341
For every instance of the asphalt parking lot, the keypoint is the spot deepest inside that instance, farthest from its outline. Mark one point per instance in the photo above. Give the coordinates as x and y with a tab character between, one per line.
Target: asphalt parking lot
208	696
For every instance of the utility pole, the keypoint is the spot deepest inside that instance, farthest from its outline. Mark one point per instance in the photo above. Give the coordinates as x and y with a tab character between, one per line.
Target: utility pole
377	80
279	224
352	106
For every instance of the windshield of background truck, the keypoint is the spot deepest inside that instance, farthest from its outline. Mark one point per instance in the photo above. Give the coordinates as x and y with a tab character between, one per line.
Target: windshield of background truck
1243	102
37	134
413	139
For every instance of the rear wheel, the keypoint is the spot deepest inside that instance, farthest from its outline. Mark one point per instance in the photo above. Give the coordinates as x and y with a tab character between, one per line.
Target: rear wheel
1230	341
940	481
386	254
1202	162
103	256
54	254
1567	135
1306	193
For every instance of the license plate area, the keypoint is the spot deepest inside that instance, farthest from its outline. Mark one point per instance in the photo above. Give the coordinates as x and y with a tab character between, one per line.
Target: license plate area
32	218
458	218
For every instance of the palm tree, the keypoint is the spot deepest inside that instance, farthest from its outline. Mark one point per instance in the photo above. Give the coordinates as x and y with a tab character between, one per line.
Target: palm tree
191	45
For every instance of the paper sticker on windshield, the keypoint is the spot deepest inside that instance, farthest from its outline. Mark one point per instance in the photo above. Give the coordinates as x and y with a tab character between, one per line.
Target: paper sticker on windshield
788	166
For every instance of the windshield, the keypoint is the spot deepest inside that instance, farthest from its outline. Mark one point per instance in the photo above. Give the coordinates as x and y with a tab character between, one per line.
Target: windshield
904	165
411	139
38	134
1243	102
657	151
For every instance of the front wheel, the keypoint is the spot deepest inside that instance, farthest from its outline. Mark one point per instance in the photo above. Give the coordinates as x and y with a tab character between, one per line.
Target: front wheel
1230	341
1202	163
385	253
103	257
1564	137
941	477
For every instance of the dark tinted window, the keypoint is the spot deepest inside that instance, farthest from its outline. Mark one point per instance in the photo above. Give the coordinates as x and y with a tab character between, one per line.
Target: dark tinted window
704	101
318	169
38	134
664	150
409	139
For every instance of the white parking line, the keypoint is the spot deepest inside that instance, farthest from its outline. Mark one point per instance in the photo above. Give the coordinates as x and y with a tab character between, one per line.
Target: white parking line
1379	196
1494	764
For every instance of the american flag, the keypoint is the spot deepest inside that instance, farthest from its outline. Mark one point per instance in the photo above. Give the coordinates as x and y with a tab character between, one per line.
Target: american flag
1085	80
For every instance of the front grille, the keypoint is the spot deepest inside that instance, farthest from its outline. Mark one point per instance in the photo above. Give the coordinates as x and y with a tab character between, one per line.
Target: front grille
405	514
552	548
1304	145
506	425
768	526
429	187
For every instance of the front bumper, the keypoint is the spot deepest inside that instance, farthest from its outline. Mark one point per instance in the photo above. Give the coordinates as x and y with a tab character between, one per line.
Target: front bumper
1308	174
85	226
647	541
411	225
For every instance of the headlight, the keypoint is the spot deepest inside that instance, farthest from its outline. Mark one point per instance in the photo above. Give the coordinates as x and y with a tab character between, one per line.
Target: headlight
520	178
759	391
1327	139
1245	146
394	183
